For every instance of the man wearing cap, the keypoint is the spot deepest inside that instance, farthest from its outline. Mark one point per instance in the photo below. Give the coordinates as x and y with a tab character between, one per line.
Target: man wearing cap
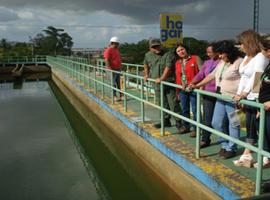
113	61
159	65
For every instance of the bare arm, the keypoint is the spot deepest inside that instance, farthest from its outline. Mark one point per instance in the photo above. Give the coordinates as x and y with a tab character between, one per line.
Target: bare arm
146	71
107	62
206	80
166	73
199	62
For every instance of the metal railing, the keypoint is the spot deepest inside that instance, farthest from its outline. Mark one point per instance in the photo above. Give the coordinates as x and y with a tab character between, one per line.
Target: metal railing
87	75
39	59
127	67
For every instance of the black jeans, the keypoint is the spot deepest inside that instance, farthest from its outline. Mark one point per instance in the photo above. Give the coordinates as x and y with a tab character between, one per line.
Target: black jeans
252	124
266	145
208	111
116	82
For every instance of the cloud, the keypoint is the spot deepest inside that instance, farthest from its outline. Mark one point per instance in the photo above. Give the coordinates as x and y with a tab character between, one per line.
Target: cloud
7	15
137	11
92	22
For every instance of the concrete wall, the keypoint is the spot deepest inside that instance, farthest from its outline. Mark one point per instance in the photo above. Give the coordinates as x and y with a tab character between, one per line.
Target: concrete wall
184	185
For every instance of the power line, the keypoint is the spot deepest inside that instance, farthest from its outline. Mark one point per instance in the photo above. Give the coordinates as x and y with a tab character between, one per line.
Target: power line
127	26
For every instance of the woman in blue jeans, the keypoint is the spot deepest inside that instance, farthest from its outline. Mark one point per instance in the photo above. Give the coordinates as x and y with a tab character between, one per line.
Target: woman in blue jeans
227	79
186	68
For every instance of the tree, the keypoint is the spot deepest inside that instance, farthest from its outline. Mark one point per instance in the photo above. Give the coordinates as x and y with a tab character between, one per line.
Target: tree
54	42
54	36
196	47
134	53
14	48
65	44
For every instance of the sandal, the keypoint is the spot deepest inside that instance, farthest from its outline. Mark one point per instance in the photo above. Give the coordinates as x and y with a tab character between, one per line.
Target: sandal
246	160
266	163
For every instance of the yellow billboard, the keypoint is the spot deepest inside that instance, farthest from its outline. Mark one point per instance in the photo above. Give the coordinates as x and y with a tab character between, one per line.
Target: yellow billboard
171	29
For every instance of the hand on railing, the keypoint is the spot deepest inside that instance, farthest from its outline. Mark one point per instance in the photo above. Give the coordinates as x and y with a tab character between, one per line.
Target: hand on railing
190	87
145	78
258	115
267	105
158	80
238	98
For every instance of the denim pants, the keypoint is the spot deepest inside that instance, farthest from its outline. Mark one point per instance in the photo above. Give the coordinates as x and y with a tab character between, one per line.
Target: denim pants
266	145
116	82
252	124
221	112
187	99
208	111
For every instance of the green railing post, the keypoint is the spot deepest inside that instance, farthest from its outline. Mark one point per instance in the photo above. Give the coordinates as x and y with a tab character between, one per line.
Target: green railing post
127	72
198	119
137	74
161	109
77	72
84	81
88	77
259	155
74	70
102	79
142	98
125	90
95	83
146	84
112	87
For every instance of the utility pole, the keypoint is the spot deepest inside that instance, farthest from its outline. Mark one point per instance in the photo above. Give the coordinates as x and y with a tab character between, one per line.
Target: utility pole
256	16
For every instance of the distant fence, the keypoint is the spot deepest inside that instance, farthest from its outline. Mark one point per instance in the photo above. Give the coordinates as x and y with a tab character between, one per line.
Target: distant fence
11	60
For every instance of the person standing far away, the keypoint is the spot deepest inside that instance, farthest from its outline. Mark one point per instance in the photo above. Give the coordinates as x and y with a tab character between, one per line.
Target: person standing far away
208	102
113	62
159	65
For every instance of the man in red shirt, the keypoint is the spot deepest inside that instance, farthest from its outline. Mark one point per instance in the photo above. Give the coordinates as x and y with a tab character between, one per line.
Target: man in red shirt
113	61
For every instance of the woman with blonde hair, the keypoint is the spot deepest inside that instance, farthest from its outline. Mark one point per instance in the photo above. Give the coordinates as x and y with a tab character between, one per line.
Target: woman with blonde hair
253	62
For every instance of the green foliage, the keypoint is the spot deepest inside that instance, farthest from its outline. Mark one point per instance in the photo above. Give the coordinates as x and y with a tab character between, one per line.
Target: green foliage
196	47
54	42
14	48
134	53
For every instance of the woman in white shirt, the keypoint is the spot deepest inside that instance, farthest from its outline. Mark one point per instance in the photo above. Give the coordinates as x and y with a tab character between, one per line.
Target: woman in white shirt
253	62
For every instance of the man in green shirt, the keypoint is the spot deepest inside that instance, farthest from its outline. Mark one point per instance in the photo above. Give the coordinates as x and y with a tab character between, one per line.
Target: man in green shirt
159	65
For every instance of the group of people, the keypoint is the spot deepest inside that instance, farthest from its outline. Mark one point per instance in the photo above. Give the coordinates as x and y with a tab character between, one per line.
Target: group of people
231	70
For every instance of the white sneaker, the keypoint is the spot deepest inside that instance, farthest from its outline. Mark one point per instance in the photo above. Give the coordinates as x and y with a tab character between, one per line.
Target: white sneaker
266	163
245	160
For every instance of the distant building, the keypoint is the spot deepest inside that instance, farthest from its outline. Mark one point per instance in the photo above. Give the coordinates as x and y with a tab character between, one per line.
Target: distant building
92	52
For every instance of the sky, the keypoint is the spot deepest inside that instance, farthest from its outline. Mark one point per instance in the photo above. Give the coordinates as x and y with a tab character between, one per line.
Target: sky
91	23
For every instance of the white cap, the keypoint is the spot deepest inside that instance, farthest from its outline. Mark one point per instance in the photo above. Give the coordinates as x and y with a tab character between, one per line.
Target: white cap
114	39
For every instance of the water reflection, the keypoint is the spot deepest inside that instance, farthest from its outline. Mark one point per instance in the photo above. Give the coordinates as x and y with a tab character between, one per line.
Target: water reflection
38	159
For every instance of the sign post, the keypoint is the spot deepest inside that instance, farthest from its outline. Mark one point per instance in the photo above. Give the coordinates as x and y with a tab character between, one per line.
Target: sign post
171	29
